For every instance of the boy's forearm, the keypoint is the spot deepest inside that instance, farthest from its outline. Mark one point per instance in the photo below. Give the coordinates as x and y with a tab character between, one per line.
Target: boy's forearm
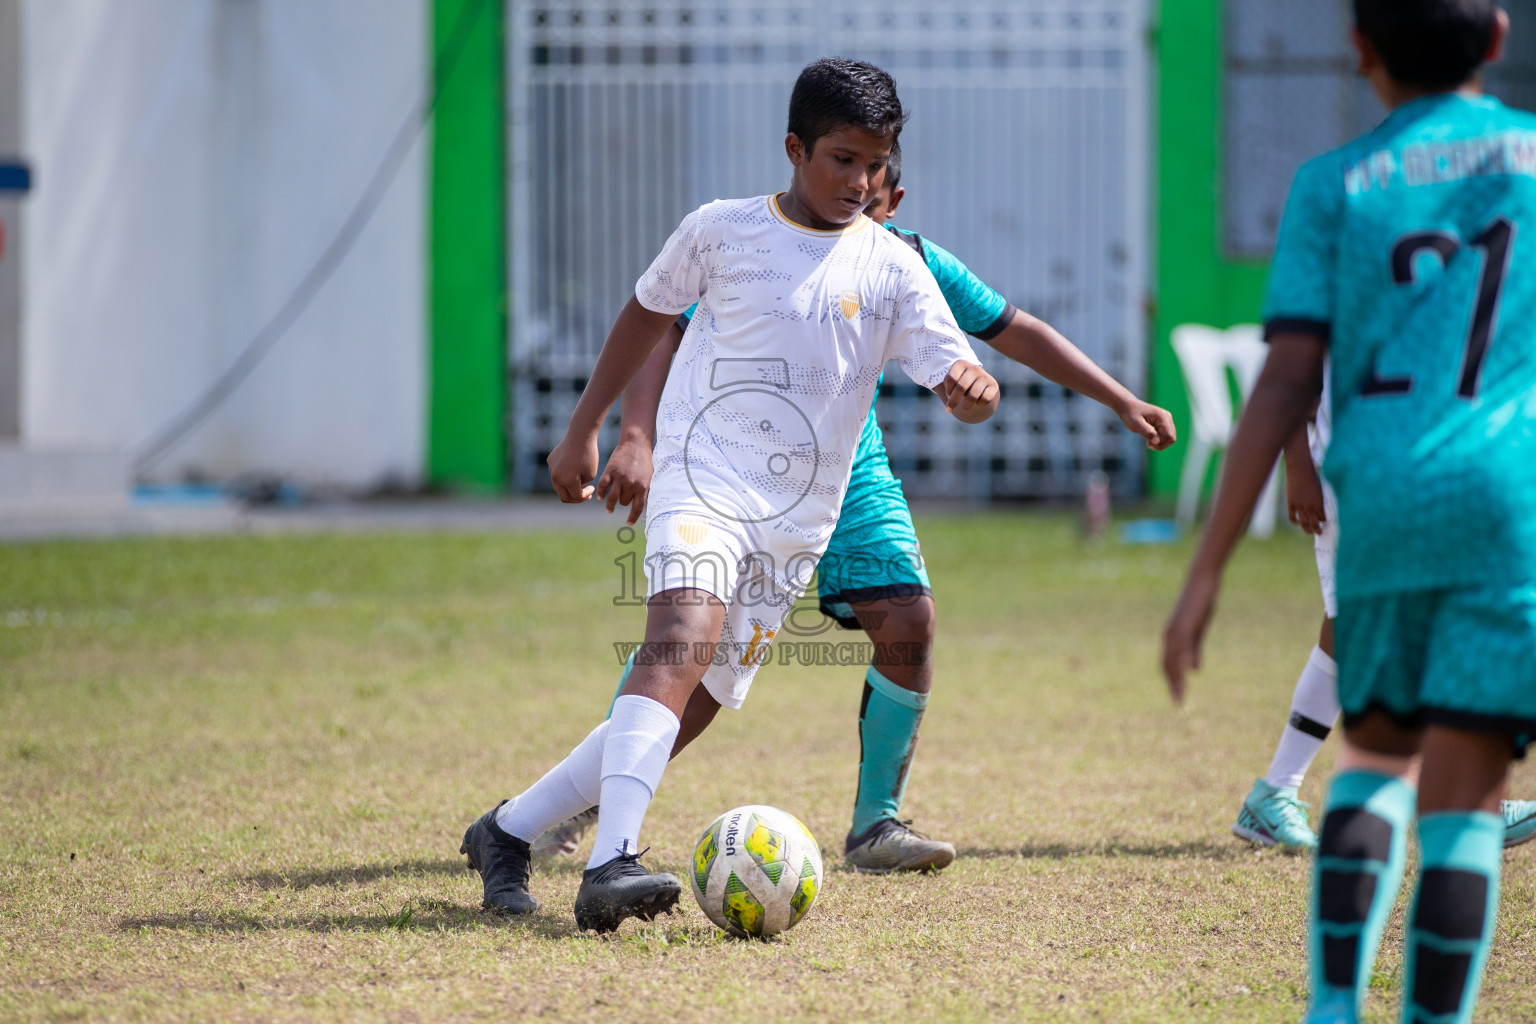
631	341
1045	350
1275	411
642	398
1298	452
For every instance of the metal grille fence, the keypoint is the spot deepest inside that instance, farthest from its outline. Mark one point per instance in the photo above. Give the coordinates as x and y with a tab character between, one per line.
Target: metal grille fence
1026	156
1292	93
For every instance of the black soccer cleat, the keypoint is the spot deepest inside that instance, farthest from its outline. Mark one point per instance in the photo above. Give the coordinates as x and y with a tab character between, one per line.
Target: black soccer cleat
622	888
504	864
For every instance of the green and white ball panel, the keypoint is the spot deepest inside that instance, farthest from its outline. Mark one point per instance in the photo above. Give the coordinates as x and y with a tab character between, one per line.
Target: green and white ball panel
756	871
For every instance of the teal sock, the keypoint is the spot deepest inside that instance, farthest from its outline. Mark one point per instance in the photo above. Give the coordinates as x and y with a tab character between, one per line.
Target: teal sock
888	721
1451	925
618	691
1361	851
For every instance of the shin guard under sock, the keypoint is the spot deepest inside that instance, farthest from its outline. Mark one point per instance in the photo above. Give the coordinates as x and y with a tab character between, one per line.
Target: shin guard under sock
640	737
888	721
1359	868
1451	925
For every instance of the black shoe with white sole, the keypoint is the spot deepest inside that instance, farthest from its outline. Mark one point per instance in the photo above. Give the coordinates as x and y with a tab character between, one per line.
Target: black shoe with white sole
504	864
622	888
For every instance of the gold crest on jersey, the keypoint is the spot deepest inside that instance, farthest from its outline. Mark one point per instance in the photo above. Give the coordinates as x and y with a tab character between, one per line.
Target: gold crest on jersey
851	303
693	531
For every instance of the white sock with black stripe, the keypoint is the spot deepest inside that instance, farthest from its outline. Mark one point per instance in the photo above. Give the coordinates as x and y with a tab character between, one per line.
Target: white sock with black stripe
1314	709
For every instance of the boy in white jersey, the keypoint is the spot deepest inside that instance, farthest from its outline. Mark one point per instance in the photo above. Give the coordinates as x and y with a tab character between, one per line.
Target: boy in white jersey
874	555
801	302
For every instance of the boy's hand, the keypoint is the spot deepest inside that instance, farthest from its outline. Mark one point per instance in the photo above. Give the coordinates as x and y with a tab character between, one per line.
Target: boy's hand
1151	422
970	393
1185	632
626	480
572	465
1304	495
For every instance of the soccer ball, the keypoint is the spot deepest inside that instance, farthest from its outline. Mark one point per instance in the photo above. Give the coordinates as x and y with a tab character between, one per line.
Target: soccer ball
756	871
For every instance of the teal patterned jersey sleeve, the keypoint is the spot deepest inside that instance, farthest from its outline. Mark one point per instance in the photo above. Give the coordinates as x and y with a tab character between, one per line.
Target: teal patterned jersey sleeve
978	309
1303	274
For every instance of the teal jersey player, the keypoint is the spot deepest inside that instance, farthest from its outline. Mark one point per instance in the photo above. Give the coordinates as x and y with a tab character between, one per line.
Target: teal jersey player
874	552
1403	249
1405	256
1414	250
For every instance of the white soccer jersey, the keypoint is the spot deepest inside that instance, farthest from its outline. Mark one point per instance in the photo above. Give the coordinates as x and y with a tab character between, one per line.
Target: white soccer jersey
769	391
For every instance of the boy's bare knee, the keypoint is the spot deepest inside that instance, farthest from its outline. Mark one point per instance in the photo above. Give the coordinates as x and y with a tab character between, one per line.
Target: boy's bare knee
1464	770
909	621
1378	744
679	625
1375	733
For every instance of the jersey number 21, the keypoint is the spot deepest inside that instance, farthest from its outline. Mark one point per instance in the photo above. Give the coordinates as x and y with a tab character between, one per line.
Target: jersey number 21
1496	241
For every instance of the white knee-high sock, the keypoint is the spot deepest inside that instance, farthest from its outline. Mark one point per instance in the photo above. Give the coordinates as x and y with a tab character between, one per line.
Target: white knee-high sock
640	737
1314	709
568	788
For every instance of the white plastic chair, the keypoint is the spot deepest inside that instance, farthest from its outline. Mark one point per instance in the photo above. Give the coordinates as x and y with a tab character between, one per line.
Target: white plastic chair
1206	354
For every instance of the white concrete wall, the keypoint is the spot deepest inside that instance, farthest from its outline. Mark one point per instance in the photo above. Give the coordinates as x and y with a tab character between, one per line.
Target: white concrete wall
192	159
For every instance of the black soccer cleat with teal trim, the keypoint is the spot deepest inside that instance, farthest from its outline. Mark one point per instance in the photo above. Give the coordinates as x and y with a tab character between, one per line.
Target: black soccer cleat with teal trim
622	888
504	864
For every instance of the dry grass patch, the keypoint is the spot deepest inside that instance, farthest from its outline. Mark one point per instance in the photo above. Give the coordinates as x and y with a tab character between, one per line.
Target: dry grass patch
236	770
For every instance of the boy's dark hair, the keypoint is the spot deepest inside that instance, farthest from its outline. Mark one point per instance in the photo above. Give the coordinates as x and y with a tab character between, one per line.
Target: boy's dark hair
893	167
836	93
1432	44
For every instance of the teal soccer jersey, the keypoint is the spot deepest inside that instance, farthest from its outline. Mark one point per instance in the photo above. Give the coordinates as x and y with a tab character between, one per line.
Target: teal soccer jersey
1412	252
977	307
873	553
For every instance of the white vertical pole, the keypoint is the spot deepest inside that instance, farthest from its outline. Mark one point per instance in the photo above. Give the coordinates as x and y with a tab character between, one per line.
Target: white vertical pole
10	223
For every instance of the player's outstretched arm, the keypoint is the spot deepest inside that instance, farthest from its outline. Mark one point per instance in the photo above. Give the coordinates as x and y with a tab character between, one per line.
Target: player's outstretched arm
634	335
626	479
969	392
1282	399
1303	488
1042	348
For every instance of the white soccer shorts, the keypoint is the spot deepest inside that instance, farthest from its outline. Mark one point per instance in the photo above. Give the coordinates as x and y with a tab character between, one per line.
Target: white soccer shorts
1326	546
702	552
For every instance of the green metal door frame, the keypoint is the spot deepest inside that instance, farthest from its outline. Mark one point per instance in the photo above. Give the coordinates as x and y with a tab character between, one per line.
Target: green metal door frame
467	419
467	367
1195	282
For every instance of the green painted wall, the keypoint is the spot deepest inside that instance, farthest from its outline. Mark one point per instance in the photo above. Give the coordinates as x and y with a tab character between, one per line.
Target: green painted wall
467	417
1195	283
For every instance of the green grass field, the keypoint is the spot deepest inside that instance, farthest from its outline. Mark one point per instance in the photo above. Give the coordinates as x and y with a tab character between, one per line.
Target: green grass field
234	773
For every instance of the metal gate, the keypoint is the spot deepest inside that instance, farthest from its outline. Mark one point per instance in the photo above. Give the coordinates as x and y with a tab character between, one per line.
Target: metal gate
1026	156
1292	93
